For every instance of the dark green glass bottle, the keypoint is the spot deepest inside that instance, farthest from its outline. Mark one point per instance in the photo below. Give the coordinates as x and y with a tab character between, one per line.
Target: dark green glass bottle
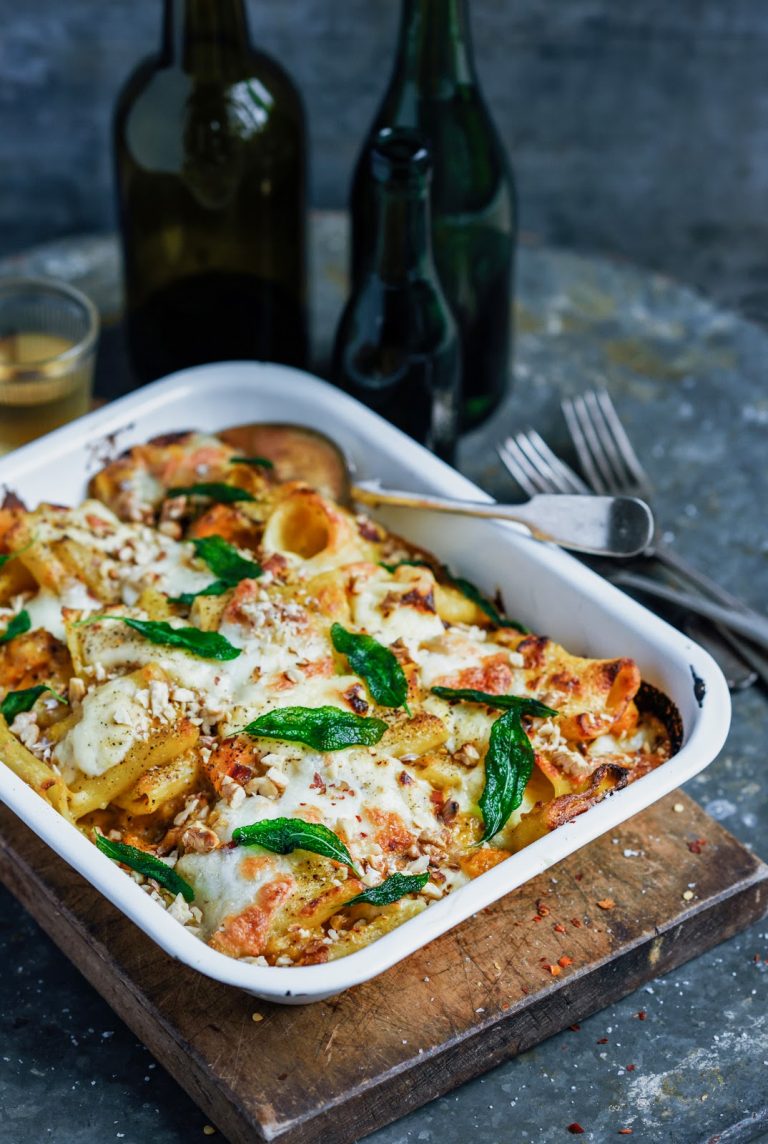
210	149
434	89
397	346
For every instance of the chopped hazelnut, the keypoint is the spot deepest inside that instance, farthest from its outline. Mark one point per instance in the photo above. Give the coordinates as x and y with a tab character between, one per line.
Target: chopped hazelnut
199	839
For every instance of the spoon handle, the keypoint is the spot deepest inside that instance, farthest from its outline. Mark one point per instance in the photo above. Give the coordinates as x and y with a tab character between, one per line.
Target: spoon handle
604	526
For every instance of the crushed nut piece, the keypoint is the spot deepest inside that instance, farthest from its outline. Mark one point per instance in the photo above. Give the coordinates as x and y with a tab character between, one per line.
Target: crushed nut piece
75	690
232	793
199	839
179	910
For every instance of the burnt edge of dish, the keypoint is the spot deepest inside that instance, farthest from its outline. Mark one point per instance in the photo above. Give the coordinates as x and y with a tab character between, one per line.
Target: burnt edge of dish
650	699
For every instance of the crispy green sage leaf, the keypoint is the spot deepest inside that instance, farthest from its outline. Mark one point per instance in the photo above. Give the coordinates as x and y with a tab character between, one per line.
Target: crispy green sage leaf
227	565
261	462
206	645
521	703
214	490
225	561
16	702
508	765
393	888
509	758
282	835
323	728
19	624
146	864
376	664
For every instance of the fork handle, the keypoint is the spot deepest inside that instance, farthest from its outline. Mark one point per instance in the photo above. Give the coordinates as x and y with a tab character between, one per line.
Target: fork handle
749	624
667	556
687	572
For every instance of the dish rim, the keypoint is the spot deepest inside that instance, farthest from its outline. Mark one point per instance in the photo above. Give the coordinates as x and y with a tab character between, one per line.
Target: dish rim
302	984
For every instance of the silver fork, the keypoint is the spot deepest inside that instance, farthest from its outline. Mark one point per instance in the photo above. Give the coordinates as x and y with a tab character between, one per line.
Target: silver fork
537	469
529	459
612	465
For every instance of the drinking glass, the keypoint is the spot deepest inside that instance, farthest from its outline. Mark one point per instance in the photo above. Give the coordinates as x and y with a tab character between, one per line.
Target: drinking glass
48	333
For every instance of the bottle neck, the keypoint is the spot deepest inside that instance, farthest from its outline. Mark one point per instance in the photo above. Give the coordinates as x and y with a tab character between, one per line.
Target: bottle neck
203	35
435	46
403	233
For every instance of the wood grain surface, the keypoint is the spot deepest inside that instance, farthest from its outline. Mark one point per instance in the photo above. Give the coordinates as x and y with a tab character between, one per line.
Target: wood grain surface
664	887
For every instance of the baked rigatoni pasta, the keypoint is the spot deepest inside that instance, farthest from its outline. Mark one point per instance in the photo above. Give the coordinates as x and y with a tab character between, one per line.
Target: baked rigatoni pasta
293	728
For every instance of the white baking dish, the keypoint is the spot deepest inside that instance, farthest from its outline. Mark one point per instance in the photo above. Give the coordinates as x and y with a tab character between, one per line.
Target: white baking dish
543	586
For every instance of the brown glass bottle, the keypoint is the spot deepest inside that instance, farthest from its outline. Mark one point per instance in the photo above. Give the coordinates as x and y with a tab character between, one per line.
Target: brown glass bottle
210	150
434	89
397	347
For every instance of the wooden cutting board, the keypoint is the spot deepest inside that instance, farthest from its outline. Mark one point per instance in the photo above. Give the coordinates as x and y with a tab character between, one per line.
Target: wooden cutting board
664	887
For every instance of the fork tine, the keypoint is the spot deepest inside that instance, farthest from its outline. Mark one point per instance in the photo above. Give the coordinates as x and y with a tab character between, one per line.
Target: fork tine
562	476
518	466
580	428
623	443
609	455
546	477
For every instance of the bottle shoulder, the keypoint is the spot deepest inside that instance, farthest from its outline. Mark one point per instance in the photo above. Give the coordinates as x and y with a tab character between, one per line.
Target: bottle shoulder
135	84
164	88
167	119
275	79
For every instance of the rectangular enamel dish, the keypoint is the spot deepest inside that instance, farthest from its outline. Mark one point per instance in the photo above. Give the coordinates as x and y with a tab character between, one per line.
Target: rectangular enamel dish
550	591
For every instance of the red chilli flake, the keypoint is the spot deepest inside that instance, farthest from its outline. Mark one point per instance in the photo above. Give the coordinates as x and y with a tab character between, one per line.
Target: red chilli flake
606	903
697	845
626	1131
641	1015
575	922
564	961
575	1028
575	1129
558	928
630	1068
603	1041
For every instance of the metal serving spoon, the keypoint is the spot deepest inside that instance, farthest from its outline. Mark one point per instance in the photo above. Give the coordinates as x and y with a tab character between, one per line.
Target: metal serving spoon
605	526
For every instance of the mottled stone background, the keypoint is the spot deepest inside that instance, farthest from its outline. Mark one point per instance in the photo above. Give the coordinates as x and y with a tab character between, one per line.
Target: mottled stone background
637	128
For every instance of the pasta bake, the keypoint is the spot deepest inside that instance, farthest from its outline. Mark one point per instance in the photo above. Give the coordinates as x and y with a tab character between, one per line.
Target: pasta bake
294	729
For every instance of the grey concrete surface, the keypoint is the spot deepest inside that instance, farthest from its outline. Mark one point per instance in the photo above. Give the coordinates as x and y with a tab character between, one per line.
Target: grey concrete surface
689	380
637	128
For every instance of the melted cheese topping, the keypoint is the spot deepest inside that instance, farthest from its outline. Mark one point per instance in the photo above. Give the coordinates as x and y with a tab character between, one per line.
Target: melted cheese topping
112	720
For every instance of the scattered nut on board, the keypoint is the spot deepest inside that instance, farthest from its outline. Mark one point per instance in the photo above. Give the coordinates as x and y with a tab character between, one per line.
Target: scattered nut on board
257	1016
